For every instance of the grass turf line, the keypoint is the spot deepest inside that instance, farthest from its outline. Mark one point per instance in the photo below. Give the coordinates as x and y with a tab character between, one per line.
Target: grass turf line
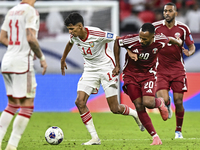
117	132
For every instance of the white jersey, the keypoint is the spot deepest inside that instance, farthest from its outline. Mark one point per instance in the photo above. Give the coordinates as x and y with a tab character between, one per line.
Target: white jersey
19	56
94	48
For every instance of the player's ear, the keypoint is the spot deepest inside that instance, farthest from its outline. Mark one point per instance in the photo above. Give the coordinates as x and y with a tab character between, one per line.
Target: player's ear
80	25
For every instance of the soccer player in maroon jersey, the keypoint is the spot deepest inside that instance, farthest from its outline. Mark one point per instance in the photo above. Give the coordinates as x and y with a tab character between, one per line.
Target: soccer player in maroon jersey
139	72
170	71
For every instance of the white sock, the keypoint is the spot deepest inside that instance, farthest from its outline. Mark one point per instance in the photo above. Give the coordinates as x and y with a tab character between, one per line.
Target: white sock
129	111
155	135
87	120
5	120
133	113
19	125
91	129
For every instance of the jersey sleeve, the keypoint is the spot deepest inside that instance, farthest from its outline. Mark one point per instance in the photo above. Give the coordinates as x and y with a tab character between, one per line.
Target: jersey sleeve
109	36
32	18
127	41
188	39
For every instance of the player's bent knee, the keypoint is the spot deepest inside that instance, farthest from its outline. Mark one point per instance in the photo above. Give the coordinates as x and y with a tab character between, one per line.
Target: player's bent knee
80	103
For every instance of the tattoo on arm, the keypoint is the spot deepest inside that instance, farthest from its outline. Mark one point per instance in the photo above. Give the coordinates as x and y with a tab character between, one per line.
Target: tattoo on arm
33	42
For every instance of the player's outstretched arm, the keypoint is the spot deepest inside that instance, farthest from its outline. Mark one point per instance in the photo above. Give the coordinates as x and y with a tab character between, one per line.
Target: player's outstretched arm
4	38
132	55
64	56
176	41
33	43
191	50
116	70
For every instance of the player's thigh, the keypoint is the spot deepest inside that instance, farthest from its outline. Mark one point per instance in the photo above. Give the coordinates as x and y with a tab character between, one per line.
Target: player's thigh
107	79
89	82
162	82
111	96
133	91
8	84
163	93
21	85
24	85
148	86
179	84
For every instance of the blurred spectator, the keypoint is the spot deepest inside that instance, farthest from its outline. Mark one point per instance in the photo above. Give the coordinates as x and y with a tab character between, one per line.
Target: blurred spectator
147	15
131	24
54	22
193	18
125	9
137	5
180	16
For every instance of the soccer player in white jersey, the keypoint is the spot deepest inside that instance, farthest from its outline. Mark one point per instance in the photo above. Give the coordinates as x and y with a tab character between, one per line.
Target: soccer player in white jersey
19	33
99	63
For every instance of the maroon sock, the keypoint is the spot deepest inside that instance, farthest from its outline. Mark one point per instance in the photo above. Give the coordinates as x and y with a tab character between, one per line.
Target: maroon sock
179	120
157	102
146	121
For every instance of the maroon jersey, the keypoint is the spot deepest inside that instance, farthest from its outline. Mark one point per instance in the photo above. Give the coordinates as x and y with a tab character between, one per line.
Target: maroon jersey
146	63
170	59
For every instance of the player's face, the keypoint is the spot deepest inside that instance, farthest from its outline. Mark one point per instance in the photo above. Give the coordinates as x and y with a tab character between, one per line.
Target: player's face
169	13
74	30
146	38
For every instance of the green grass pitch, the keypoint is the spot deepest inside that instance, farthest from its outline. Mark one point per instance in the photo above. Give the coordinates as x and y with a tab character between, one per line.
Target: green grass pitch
116	132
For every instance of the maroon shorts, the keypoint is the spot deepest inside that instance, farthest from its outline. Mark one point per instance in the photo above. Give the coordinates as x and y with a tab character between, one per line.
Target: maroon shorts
140	86
177	82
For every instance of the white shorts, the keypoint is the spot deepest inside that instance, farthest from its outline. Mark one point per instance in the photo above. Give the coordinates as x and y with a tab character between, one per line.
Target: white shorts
91	80
20	85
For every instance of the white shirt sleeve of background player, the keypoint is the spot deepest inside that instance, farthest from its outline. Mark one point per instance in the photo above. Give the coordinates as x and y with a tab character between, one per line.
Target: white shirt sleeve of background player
31	18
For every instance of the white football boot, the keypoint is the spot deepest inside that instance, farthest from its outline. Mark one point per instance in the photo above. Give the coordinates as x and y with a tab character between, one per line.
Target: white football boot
137	120
178	135
94	141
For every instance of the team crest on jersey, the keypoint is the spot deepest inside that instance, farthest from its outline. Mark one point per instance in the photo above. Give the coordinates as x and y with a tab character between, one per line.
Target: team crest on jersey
91	44
154	50
177	34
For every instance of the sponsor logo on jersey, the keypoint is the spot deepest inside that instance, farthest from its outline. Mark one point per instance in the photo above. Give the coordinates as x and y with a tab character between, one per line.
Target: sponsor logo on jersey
149	91
131	45
177	34
91	44
135	51
109	35
154	50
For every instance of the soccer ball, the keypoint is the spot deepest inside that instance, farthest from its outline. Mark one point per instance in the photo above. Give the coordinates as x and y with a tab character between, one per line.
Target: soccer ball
54	135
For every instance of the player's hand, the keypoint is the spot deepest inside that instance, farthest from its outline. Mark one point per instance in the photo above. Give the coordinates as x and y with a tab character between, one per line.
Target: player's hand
63	66
44	66
116	70
180	42
186	51
132	55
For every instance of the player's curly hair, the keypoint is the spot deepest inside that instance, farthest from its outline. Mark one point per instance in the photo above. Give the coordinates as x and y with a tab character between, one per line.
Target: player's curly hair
73	19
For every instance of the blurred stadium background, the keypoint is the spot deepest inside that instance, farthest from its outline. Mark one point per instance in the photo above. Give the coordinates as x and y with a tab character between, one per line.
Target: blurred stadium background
57	93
